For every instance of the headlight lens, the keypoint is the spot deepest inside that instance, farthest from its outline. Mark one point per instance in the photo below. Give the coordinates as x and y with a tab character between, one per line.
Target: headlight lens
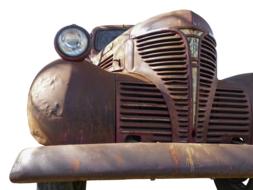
72	42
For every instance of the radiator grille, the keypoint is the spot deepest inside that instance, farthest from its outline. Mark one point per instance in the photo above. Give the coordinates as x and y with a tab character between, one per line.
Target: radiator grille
143	111
165	52
207	75
229	116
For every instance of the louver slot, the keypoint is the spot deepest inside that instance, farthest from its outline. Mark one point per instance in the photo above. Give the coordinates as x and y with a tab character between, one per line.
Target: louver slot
106	63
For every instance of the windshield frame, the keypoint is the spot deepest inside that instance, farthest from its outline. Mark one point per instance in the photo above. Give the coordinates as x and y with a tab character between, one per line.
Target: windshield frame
105	28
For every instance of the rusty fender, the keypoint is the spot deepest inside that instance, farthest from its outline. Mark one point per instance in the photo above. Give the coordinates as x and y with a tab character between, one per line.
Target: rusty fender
132	161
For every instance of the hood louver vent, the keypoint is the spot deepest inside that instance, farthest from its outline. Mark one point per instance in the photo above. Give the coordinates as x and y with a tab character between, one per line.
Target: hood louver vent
106	63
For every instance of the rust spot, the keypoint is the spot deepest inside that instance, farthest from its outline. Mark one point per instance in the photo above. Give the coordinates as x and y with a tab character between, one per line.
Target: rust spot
119	160
76	165
189	159
55	110
36	131
174	155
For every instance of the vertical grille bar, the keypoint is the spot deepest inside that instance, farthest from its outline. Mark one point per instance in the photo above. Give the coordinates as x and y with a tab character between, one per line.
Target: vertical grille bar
207	79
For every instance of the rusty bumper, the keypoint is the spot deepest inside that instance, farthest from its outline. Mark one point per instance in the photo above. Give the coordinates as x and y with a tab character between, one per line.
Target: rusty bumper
132	161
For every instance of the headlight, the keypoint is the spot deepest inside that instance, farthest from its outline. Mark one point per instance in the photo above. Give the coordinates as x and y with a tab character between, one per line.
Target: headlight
72	42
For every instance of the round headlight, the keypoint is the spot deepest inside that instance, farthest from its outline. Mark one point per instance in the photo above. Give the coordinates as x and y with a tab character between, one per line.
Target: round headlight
72	42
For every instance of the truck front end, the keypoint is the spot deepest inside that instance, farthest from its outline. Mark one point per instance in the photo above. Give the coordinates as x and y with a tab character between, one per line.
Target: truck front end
147	105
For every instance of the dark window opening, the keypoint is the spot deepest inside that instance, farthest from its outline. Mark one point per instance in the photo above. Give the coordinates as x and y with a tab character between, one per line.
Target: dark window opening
104	37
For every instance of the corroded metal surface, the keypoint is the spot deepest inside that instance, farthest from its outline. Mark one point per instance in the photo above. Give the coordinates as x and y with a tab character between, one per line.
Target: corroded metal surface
176	52
72	103
157	82
174	19
132	161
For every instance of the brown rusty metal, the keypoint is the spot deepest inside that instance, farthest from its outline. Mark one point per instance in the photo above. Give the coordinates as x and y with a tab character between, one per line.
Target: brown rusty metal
72	103
169	92
176	19
132	161
200	108
157	82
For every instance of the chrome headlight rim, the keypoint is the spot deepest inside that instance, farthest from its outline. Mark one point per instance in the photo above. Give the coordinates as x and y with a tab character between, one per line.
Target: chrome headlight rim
69	57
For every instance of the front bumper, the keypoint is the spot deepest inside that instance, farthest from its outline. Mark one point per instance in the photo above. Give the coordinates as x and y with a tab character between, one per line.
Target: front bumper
132	161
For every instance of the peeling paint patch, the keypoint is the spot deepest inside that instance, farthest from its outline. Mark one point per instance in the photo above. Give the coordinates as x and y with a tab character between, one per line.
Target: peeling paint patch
189	159
174	155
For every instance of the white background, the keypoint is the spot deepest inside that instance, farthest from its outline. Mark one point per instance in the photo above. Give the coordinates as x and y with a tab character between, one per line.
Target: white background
27	30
